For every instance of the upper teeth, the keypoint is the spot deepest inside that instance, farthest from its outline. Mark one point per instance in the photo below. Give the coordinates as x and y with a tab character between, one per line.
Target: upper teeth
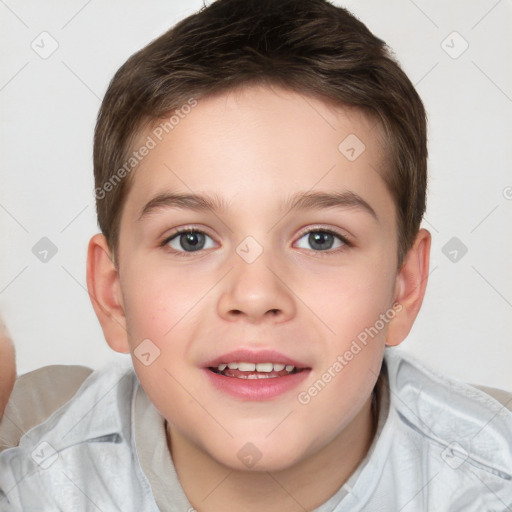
259	367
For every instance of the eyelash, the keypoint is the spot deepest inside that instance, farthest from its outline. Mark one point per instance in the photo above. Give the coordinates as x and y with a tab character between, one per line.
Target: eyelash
347	243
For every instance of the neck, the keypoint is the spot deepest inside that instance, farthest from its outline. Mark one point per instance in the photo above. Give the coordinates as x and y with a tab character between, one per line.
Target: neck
212	487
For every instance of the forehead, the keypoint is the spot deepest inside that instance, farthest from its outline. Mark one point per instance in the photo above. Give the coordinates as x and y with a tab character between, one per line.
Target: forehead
257	146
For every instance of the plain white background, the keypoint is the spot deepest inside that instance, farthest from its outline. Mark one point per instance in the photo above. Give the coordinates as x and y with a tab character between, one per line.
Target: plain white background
459	56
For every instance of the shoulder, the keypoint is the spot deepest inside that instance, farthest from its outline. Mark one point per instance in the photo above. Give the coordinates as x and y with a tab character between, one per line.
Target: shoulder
35	396
64	396
83	444
454	429
413	379
444	404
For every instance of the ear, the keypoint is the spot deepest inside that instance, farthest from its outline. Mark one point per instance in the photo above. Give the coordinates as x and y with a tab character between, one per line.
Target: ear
410	286
105	293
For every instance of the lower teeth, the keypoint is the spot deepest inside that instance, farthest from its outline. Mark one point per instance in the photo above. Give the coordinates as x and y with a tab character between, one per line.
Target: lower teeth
256	376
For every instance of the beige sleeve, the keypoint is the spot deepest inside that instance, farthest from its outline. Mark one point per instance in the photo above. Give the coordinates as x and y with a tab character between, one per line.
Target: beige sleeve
36	395
502	396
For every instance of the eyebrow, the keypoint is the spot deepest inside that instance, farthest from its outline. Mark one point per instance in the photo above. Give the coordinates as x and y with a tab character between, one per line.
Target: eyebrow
297	201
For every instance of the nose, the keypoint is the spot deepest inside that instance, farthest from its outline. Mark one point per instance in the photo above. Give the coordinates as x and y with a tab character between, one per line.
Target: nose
258	291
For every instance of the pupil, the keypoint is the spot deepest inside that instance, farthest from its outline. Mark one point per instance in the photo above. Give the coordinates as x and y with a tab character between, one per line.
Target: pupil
193	241
317	238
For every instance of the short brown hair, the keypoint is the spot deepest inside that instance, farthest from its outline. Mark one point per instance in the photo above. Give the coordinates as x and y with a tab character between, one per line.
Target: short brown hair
307	46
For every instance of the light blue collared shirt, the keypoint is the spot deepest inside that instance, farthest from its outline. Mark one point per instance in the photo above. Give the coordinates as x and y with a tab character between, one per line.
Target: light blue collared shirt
441	446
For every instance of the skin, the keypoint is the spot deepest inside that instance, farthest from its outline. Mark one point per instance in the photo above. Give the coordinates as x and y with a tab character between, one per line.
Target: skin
253	148
7	367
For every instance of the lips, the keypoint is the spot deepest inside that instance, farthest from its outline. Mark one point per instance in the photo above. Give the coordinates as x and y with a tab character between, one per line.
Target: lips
255	375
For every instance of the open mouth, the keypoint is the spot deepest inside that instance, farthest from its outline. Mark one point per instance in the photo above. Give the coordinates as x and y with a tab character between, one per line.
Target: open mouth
248	375
241	370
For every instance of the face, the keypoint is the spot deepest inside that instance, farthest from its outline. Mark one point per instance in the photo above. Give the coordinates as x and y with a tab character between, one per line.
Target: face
259	278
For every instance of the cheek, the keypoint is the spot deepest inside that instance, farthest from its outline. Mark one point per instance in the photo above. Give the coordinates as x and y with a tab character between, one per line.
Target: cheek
158	310
349	300
355	306
162	315
157	300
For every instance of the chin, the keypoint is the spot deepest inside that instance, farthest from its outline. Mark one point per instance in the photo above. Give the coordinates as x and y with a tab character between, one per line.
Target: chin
259	457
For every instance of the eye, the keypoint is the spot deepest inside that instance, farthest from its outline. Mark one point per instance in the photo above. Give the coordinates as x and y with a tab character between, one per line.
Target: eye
322	240
188	240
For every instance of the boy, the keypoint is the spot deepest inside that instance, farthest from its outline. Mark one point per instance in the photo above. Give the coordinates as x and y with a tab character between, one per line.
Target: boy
260	181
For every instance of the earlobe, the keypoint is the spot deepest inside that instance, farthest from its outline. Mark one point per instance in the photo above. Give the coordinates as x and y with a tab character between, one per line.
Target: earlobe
411	283
105	293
